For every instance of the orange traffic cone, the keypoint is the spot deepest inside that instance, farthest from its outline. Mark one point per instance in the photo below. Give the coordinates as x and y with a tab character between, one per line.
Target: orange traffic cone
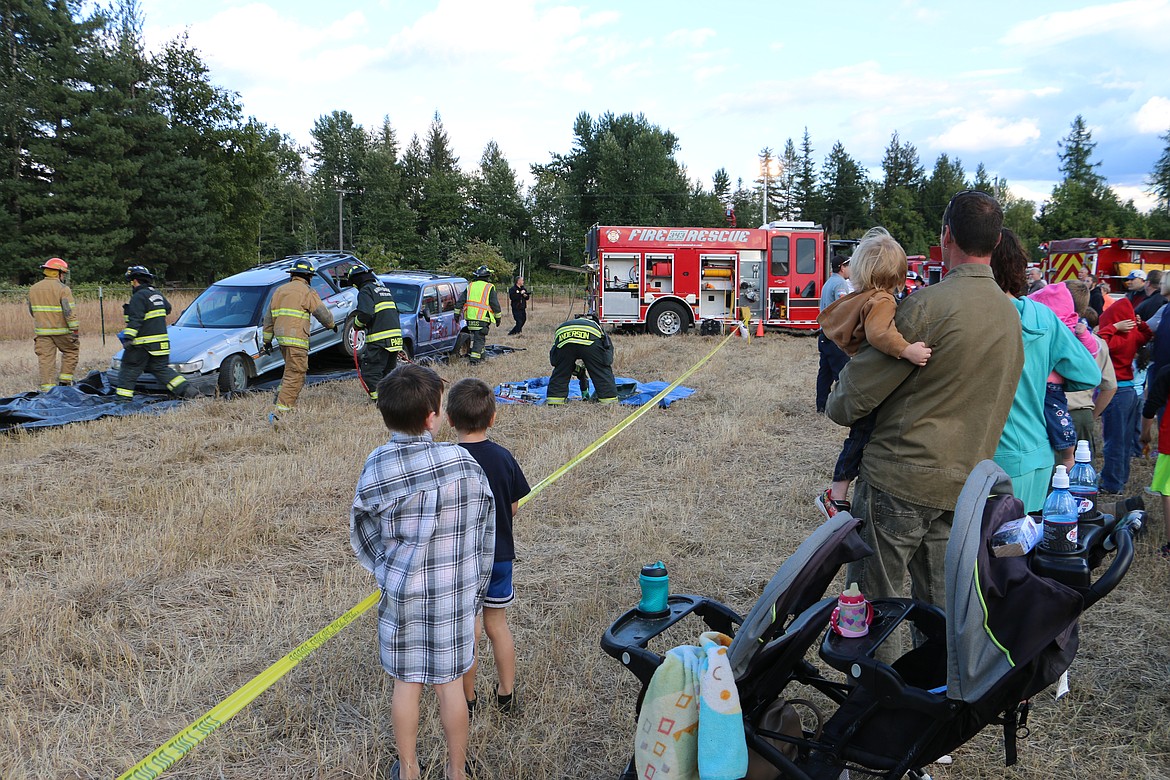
760	330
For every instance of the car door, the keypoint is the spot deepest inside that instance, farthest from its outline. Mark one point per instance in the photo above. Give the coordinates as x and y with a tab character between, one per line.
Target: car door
340	303
431	330
450	331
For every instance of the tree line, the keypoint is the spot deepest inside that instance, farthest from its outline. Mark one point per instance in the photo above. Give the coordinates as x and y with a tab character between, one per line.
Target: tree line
110	155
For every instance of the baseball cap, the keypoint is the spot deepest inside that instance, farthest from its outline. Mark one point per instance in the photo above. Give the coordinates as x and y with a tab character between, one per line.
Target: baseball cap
839	260
1137	274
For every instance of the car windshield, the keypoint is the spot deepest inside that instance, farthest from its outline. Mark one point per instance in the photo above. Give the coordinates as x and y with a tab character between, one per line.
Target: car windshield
405	296
221	306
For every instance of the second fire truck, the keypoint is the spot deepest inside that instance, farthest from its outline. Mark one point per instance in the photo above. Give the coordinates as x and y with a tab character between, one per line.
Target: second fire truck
671	278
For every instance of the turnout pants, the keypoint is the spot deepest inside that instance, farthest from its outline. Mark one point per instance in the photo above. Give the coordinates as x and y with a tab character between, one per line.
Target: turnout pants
46	348
598	362
296	365
376	362
478	331
136	361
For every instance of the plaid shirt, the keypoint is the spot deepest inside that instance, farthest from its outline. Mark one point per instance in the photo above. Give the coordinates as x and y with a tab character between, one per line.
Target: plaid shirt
423	522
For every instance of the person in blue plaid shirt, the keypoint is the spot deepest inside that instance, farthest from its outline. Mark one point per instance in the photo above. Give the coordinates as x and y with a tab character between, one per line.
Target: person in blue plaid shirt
423	522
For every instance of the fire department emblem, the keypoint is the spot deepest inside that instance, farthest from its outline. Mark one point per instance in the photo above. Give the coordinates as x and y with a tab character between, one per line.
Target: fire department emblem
613	235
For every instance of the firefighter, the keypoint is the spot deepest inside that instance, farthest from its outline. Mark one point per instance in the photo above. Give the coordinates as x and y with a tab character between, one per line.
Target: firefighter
55	325
287	319
480	307
145	346
378	317
581	339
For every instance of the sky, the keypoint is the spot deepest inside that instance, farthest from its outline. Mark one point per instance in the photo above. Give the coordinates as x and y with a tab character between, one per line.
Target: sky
996	82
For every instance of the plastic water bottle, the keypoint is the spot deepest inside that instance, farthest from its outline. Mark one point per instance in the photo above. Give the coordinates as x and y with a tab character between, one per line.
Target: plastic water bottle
1082	482
655	584
1060	515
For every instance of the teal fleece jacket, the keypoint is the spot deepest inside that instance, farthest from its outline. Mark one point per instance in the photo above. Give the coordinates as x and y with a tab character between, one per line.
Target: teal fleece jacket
1048	346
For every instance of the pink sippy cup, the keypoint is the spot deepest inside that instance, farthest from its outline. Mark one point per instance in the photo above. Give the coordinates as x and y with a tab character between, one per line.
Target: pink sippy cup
853	614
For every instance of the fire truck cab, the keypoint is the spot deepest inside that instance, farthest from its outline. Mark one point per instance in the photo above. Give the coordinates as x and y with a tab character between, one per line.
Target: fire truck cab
1109	259
670	278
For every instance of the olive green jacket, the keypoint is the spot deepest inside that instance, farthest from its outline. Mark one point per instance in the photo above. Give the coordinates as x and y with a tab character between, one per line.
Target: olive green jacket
935	423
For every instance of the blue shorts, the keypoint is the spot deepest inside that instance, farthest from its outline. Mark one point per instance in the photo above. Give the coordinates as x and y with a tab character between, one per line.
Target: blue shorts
1062	434
500	592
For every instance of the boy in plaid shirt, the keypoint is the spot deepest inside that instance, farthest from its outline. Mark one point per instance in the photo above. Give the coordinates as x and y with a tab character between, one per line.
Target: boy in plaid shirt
423	522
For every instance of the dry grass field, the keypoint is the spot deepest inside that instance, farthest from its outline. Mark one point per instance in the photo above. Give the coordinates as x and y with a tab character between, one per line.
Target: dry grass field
16	323
152	565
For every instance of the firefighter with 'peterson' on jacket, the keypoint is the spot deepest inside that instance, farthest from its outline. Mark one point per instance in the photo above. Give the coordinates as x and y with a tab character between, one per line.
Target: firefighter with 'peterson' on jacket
55	325
145	345
377	315
287	319
480	306
581	339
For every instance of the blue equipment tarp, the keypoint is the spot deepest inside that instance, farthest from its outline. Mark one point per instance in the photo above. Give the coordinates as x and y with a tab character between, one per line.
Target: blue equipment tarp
630	391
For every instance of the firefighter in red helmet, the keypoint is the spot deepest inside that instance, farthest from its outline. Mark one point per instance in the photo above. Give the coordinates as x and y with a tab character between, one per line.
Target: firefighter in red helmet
55	325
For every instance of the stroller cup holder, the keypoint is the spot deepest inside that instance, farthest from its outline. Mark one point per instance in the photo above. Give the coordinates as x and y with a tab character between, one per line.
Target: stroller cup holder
627	637
912	684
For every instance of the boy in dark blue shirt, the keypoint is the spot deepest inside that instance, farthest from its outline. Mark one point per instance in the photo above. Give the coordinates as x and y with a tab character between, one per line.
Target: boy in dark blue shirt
471	410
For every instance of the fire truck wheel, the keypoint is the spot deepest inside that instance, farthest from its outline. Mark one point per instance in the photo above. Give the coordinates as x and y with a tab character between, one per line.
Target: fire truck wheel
667	319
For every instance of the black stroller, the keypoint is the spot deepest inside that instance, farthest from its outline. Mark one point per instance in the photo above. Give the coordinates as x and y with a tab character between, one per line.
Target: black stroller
1011	633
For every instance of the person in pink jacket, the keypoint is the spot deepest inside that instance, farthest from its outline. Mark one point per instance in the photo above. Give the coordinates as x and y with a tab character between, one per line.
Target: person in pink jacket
1061	430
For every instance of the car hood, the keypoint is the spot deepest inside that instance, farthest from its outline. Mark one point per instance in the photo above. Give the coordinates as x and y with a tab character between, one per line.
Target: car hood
188	344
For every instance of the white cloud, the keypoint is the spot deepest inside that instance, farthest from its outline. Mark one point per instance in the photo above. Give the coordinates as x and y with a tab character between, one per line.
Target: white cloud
1140	19
979	132
1140	196
1153	116
690	38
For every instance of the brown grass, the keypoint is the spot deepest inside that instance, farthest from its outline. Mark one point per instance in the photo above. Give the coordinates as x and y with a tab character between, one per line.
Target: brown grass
17	323
151	566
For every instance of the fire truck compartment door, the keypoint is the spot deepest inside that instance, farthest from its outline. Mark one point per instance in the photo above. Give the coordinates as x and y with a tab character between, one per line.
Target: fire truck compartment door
750	286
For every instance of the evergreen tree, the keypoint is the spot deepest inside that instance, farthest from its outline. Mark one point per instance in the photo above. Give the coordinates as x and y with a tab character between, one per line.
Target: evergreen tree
498	215
945	180
339	153
1082	204
389	225
807	202
844	190
897	195
1159	181
721	185
443	203
789	170
768	187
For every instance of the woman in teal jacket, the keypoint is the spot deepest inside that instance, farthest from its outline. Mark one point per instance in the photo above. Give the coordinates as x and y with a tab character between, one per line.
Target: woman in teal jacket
1024	450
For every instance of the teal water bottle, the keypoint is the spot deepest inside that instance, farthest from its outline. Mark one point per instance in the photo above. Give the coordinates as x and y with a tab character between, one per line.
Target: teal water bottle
655	584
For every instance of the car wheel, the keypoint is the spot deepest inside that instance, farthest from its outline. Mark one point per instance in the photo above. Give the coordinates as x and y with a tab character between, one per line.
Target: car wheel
408	349
667	319
233	374
347	339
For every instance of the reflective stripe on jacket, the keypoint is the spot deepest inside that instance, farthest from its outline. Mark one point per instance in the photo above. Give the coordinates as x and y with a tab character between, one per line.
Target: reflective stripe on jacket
378	315
581	331
480	304
146	320
288	314
51	304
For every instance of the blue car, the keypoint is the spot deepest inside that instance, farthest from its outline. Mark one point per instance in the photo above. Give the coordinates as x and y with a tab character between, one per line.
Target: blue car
426	308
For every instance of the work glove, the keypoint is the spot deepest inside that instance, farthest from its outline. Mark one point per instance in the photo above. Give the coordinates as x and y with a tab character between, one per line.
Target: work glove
267	347
336	328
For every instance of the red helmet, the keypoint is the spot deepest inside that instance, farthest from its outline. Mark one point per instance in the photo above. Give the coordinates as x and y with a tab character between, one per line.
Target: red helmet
56	264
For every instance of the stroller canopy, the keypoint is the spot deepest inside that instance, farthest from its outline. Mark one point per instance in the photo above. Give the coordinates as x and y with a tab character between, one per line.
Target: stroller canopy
999	614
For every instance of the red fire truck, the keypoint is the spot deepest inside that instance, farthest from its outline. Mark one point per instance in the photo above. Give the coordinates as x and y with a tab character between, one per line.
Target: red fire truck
1110	259
670	278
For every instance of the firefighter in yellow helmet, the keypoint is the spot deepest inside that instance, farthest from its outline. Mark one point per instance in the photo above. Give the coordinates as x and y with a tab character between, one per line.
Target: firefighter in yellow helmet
55	325
480	306
145	345
287	319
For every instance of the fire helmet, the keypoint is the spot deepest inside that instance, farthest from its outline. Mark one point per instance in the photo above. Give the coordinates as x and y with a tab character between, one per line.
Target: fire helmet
56	264
357	275
301	268
139	272
482	272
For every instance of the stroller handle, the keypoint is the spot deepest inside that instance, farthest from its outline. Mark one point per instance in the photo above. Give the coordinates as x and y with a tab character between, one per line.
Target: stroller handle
1122	537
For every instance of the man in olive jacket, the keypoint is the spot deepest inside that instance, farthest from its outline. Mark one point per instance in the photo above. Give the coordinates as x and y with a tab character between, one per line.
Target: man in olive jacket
935	422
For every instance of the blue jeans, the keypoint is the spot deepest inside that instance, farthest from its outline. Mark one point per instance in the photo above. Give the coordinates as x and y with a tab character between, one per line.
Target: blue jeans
833	359
1117	422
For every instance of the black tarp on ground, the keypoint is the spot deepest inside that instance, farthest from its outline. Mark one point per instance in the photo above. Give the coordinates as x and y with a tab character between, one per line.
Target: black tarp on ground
93	397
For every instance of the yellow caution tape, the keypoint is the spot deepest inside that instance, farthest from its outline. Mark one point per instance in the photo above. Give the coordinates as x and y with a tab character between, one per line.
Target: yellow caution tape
182	743
178	746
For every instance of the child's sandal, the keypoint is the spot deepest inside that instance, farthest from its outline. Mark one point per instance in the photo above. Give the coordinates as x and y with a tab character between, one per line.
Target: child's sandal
504	702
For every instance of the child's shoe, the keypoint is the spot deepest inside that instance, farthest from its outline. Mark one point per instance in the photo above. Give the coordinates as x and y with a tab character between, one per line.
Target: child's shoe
830	506
505	703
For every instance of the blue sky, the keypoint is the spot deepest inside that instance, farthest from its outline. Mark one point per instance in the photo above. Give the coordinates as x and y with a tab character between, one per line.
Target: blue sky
994	82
